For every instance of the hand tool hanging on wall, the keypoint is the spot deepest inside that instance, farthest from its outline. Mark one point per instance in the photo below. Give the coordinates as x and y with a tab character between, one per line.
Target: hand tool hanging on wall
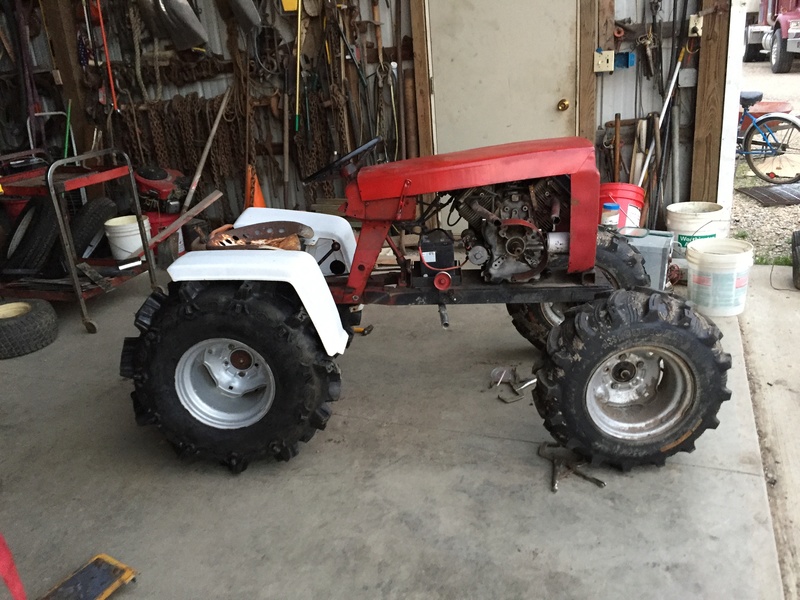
399	77
111	85
299	55
32	101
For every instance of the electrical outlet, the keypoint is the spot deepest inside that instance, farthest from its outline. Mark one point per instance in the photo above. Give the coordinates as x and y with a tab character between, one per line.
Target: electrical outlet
696	26
604	61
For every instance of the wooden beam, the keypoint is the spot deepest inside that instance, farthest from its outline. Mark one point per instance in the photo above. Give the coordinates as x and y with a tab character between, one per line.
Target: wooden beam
606	25
419	31
710	104
59	17
587	79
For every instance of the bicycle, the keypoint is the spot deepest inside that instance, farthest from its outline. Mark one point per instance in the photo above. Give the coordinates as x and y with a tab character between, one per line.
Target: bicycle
770	144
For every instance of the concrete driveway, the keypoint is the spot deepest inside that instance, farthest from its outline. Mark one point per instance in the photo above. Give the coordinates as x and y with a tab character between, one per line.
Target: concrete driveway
423	486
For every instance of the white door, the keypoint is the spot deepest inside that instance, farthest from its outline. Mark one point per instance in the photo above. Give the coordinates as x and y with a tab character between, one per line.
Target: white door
500	71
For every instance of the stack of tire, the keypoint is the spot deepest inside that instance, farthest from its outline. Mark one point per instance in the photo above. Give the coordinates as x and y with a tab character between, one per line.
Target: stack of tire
30	245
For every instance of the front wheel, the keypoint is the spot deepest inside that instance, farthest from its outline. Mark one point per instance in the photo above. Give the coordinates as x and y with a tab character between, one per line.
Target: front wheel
619	262
772	149
231	373
780	59
632	379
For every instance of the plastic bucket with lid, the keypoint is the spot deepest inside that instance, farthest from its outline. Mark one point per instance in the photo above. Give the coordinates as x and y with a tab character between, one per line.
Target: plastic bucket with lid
719	271
630	198
691	221
123	235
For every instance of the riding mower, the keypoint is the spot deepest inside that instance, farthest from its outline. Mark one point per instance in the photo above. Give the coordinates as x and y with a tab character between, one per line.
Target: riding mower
236	361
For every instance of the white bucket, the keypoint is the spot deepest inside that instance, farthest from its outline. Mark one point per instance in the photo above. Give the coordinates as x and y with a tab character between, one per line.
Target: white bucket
719	270
123	235
694	221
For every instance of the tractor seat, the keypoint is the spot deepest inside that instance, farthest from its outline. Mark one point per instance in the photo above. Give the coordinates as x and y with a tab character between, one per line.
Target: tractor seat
275	235
748	99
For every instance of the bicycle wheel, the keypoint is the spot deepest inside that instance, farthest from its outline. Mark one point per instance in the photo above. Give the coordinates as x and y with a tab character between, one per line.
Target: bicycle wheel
772	149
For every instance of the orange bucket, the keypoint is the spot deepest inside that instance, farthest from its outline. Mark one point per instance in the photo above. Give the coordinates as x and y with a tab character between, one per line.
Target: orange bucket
630	199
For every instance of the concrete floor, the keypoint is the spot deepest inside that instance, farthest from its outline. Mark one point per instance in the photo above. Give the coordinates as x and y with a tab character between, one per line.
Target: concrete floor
423	486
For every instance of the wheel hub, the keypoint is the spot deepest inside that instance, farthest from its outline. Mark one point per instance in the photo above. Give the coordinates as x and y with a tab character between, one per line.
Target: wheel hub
224	383
639	394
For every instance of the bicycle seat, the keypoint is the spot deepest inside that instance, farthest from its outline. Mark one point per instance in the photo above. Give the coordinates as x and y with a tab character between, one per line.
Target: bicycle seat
748	99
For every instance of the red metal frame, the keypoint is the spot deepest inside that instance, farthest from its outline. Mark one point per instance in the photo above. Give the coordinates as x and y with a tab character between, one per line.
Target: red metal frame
384	194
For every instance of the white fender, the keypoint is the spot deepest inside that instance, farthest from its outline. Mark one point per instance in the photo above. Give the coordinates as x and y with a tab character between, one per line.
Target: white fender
299	269
326	228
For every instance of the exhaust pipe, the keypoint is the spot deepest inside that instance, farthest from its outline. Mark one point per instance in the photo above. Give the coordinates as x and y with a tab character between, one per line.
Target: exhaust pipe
443	316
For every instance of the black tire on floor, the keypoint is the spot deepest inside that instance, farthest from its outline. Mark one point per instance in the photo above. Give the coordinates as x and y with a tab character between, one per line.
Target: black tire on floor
181	366
632	379
796	259
620	262
35	232
85	227
26	326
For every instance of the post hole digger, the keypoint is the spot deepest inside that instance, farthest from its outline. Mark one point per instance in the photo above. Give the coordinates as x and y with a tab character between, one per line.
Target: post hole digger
237	360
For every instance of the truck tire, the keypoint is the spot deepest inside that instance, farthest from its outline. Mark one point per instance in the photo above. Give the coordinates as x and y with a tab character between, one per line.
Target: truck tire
26	326
796	259
620	262
632	379
230	372
780	59
752	52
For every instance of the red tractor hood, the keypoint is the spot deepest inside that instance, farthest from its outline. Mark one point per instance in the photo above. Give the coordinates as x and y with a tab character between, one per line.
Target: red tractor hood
481	166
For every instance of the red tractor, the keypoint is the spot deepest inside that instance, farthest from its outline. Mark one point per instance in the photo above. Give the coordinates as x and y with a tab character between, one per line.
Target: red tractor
237	361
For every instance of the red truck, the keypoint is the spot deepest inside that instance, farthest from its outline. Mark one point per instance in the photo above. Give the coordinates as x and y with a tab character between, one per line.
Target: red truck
773	26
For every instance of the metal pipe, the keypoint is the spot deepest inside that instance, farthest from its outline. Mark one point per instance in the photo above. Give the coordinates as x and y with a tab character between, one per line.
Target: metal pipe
443	316
664	109
676	152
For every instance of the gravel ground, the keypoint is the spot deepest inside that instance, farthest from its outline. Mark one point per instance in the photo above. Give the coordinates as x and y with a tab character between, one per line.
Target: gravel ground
769	229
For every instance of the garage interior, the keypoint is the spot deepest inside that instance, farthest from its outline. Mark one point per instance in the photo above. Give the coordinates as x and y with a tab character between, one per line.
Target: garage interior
428	480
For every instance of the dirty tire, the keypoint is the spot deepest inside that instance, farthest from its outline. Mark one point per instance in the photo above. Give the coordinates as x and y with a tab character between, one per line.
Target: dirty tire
5	234
620	262
666	366
35	232
796	259
181	363
26	326
780	59
87	223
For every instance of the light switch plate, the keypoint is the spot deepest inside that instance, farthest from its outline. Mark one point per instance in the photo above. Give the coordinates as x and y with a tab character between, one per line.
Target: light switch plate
604	61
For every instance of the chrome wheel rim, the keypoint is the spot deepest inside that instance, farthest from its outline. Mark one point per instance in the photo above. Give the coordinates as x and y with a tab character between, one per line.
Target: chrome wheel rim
224	383
640	394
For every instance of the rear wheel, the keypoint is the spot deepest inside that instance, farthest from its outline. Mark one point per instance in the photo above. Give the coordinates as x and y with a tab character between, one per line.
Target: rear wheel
772	149
780	59
632	379
231	373
618	261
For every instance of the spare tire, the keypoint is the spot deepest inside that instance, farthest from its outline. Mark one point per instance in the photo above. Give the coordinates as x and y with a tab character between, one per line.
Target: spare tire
26	326
35	232
86	226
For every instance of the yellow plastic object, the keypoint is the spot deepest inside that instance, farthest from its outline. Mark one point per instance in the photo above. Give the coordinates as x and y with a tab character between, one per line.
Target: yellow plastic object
289	5
96	580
